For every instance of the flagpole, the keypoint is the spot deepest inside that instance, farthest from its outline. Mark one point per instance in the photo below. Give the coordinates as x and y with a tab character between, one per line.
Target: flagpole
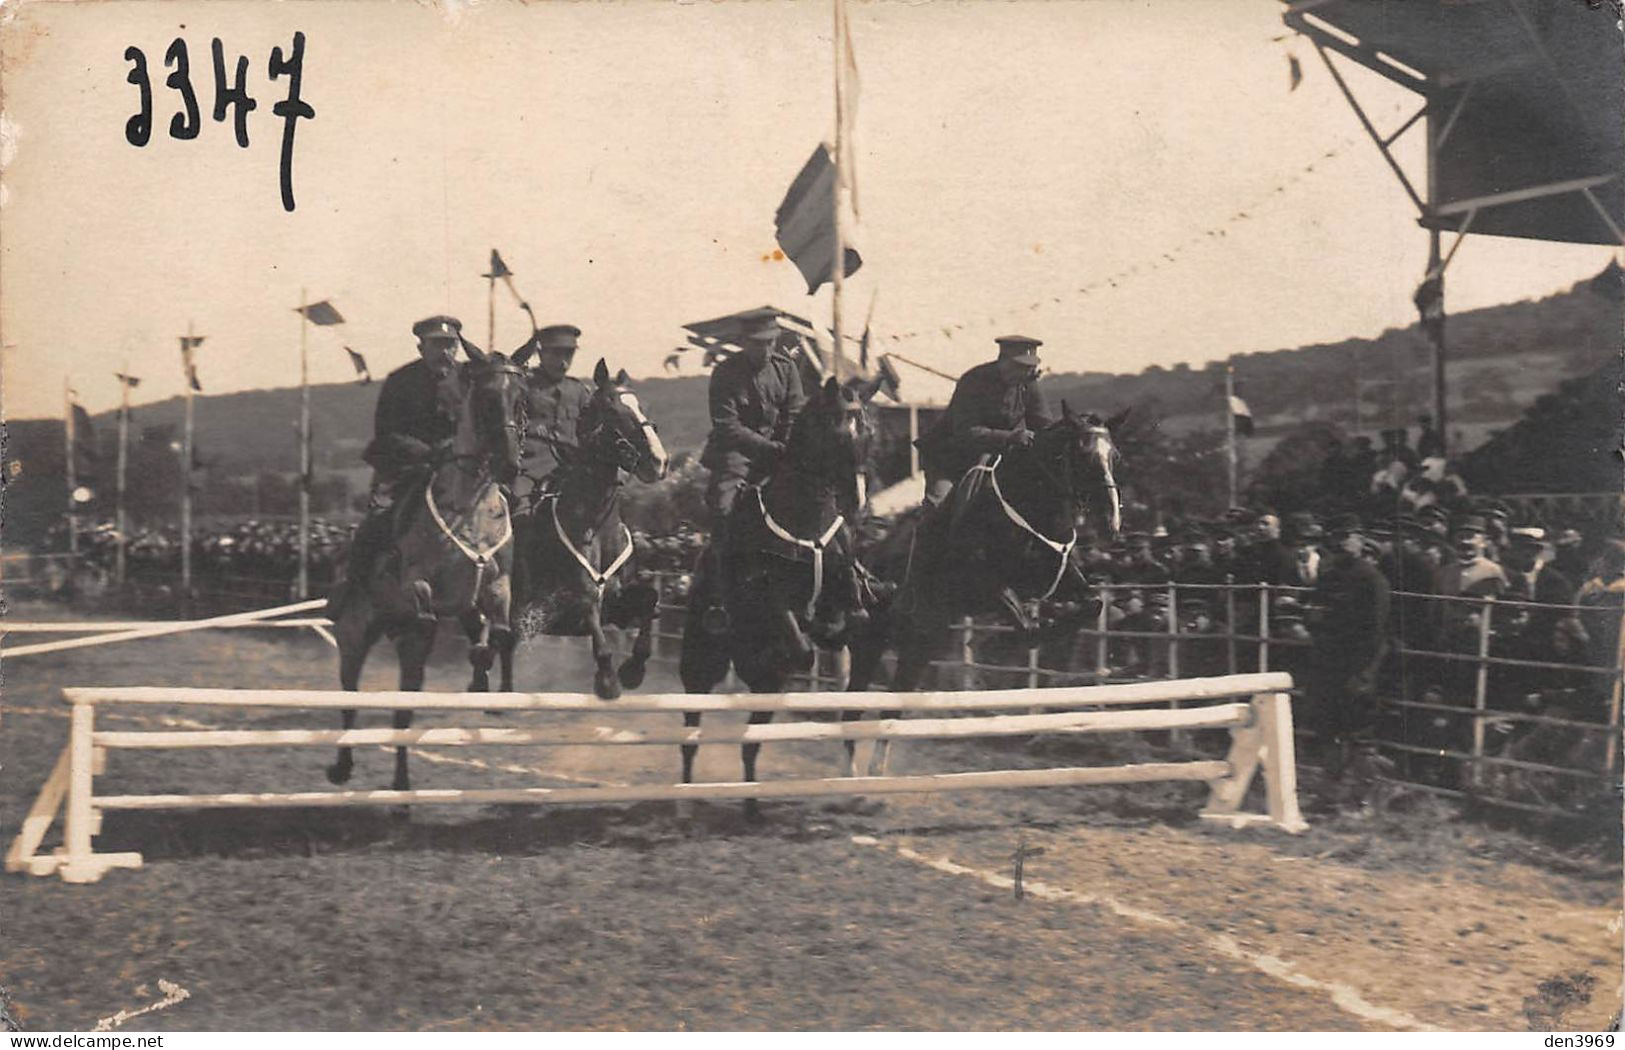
303	590
491	311
1230	429
123	444
838	265
186	469
71	439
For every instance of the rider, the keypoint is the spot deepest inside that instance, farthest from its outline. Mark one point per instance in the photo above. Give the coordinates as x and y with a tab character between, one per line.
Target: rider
995	406
410	427
755	397
554	403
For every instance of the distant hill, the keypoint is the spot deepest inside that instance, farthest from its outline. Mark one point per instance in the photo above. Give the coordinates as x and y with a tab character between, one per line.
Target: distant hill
1501	360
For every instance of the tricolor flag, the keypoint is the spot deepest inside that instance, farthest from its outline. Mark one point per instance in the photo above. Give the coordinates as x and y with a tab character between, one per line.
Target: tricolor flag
359	363
1242	415
805	222
189	343
322	313
498	267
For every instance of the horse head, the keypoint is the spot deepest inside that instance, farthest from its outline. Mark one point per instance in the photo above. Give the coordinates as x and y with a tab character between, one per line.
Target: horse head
496	407
613	428
829	445
1078	453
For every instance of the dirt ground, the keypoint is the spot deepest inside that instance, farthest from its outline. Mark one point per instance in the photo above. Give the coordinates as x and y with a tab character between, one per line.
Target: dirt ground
1135	915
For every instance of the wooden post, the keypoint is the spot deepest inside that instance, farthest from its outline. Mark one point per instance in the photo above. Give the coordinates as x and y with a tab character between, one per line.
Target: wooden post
1230	623
1102	641
838	263
1263	627
967	653
69	436
79	866
1613	704
913	436
123	462
1229	432
1274	715
302	589
1481	688
186	474
1177	738
1034	679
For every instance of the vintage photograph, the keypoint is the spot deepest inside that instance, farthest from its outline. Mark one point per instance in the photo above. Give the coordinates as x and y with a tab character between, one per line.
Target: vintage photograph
811	515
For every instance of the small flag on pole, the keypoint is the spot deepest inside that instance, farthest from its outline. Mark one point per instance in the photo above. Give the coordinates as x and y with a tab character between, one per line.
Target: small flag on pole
1243	416
359	363
1294	71
129	381
322	313
674	360
868	323
806	222
190	343
498	267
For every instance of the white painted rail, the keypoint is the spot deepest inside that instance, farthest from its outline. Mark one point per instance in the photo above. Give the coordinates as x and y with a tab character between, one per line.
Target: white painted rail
1260	733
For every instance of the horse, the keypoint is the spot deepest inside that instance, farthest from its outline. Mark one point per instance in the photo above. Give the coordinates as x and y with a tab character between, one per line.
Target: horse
452	554
1004	537
789	549
575	554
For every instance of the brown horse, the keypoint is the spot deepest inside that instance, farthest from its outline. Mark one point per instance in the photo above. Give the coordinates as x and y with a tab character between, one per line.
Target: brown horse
452	554
790	553
574	567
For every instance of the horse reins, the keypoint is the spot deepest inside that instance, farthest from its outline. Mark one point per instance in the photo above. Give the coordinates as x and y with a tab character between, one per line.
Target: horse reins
1062	550
600	580
480	558
815	546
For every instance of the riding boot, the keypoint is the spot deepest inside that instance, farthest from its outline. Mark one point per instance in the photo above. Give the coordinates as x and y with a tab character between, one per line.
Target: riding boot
714	619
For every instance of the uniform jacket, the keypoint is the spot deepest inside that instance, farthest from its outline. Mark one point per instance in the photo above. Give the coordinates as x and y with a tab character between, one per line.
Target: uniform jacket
751	409
555	409
1354	599
982	414
413	415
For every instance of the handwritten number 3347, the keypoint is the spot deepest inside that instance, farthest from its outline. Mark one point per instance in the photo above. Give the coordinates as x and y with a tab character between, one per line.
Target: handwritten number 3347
188	121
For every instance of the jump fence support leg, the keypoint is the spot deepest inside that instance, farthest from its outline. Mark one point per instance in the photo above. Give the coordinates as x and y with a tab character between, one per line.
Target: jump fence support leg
23	854
79	862
1265	740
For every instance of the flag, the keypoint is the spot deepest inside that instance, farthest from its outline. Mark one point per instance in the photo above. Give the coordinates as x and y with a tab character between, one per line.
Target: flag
1242	415
85	452
1294	70
359	363
322	313
129	381
189	343
498	267
674	360
806	222
868	324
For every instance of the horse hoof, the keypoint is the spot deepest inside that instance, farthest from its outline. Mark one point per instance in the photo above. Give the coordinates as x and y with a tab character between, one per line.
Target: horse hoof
338	773
606	686
631	673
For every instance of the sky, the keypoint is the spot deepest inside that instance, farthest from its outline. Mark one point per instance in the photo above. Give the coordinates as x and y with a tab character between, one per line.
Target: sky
627	157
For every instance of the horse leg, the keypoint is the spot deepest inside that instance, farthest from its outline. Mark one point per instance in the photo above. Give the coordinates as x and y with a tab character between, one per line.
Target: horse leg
632	672
604	682
1011	603
355	632
413	649
747	755
480	657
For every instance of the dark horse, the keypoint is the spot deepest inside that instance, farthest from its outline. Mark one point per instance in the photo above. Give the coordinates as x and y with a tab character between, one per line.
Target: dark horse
789	550
452	553
1003	538
574	555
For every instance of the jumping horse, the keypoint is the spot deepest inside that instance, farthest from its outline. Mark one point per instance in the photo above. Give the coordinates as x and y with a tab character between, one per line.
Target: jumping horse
1004	537
452	554
574	572
789	551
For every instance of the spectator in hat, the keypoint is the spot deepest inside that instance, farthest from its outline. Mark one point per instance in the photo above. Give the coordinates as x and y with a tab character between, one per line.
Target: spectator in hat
995	406
1568	555
414	422
1538	632
1350	632
1472	574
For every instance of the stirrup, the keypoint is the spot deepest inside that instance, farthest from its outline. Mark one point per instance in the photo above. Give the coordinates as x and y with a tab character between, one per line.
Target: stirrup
715	620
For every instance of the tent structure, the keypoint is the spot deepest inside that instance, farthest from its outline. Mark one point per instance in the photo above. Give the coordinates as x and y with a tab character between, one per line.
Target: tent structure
1522	103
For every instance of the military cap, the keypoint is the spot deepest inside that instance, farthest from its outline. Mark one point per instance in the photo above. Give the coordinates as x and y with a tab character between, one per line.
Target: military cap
1529	534
759	324
557	337
1496	509
1432	512
1022	349
1567	538
1470	523
439	327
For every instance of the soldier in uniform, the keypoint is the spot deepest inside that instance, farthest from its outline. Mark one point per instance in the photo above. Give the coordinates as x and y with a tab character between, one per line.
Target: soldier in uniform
555	401
410	426
1350	642
995	406
755	397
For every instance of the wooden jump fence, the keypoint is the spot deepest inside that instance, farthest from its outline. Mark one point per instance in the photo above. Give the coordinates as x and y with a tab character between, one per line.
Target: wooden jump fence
1258	716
